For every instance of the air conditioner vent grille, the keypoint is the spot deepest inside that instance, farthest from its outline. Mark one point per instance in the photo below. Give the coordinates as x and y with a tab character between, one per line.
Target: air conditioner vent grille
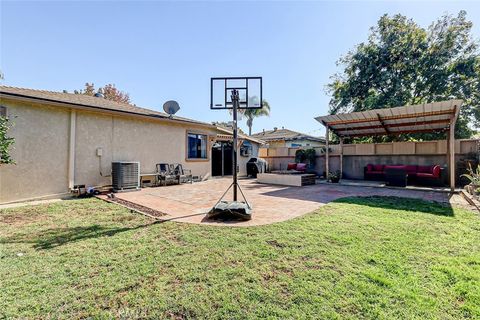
125	175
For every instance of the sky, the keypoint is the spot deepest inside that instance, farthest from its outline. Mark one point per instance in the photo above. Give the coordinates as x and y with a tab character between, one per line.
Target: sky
158	51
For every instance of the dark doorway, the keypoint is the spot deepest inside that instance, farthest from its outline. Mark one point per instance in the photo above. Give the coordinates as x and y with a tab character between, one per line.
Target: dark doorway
222	158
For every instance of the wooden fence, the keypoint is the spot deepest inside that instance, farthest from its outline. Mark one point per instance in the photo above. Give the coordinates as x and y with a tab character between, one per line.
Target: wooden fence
438	147
357	156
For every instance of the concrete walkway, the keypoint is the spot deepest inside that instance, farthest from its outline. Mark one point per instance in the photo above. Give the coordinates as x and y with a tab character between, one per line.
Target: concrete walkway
271	203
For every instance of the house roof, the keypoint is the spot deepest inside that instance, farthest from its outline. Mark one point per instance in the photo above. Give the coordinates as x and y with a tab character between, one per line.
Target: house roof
284	135
97	104
428	117
89	102
241	136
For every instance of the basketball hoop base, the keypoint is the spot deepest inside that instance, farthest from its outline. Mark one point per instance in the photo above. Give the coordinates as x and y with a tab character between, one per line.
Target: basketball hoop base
230	210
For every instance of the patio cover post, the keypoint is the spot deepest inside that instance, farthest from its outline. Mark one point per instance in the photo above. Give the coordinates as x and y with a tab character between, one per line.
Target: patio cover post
451	155
451	147
447	154
341	157
327	153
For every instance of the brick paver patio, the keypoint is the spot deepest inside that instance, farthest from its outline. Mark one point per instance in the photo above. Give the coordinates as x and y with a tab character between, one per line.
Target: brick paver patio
271	203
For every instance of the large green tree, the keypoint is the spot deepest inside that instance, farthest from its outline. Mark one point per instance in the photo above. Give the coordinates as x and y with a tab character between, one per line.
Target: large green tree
404	64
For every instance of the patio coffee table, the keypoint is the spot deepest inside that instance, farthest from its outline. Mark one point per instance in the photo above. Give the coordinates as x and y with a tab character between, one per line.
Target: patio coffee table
396	177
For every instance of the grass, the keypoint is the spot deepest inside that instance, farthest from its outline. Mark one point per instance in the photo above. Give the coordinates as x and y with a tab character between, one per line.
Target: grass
354	258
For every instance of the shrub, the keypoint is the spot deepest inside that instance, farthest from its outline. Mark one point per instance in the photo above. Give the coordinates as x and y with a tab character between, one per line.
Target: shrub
5	142
300	156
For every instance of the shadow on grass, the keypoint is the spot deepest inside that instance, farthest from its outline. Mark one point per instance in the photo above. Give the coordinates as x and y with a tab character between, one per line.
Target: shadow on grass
52	238
397	203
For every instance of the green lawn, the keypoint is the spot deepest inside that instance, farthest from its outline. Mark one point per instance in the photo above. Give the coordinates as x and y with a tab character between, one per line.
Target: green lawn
355	258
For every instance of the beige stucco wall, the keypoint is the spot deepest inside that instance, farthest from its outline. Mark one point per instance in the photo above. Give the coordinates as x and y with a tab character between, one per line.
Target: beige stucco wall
40	152
126	139
42	145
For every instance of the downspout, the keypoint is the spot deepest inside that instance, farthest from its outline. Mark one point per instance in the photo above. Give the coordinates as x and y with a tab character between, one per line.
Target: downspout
71	150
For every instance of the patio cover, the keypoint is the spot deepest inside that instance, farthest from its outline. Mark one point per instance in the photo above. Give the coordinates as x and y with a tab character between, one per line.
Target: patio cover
428	117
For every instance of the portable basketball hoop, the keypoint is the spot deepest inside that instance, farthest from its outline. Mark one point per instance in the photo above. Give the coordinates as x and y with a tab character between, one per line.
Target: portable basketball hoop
234	93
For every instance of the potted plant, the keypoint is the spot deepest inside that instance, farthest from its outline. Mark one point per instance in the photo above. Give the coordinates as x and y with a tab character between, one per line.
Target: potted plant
334	177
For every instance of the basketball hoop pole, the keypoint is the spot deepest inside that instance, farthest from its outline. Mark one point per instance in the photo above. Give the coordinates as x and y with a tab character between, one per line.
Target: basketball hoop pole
225	94
235	101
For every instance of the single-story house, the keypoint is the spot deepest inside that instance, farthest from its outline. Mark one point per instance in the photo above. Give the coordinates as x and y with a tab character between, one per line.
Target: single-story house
63	140
277	138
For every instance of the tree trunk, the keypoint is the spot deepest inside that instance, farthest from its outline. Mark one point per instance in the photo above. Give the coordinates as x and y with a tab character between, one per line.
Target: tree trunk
250	124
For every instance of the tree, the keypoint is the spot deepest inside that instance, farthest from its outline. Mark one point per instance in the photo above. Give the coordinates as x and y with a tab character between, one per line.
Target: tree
5	141
250	114
109	92
404	64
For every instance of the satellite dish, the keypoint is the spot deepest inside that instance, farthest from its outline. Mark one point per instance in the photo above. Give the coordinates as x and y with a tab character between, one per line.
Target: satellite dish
171	107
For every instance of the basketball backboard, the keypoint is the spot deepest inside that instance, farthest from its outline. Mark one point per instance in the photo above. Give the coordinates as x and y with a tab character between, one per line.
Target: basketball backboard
249	89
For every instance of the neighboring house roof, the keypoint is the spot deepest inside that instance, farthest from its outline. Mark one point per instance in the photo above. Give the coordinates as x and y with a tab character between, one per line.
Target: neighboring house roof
284	135
96	104
242	136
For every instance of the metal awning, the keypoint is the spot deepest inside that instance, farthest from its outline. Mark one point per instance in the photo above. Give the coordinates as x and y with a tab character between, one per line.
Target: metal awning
428	117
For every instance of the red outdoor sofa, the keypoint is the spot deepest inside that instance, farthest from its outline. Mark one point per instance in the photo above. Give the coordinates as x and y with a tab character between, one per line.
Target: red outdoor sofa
302	167
416	174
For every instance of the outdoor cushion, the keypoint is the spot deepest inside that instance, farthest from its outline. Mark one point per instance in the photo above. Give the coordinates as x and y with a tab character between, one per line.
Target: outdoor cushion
378	167
394	167
292	166
301	166
411	169
424	169
436	171
369	167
